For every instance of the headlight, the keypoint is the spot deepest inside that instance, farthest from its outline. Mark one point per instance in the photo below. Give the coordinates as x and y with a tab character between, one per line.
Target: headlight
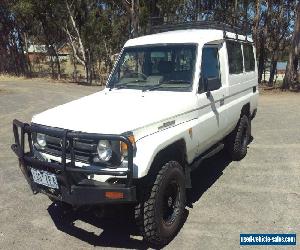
41	140
104	150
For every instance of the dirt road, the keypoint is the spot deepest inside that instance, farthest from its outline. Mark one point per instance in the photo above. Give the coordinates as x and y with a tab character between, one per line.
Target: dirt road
260	194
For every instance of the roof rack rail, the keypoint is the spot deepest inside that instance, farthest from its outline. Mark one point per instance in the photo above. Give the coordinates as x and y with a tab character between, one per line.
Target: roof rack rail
199	25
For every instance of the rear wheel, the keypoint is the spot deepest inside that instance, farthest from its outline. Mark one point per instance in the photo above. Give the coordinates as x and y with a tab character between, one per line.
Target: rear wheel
238	140
160	212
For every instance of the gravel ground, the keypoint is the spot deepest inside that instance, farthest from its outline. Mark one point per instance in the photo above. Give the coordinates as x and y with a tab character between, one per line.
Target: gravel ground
260	194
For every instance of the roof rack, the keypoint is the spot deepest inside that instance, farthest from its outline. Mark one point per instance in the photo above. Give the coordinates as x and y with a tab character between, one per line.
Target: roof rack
199	25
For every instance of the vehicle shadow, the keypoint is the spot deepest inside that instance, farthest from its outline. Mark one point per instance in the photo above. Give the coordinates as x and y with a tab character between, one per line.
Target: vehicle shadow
117	228
206	175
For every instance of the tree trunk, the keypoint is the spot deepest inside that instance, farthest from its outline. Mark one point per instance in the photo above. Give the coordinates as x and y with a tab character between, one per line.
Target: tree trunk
273	69
290	77
13	65
108	56
132	9
57	63
261	60
256	21
245	7
22	58
27	55
87	76
74	49
51	64
75	76
49	44
134	16
263	38
17	63
78	51
89	68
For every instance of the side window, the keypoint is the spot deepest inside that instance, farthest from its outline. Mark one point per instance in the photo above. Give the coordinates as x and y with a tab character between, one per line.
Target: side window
210	69
235	57
248	57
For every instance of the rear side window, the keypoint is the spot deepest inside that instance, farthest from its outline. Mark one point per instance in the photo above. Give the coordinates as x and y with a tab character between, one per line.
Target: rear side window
235	57
248	57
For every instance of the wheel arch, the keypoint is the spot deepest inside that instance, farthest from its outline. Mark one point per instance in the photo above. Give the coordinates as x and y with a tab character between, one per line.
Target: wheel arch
176	151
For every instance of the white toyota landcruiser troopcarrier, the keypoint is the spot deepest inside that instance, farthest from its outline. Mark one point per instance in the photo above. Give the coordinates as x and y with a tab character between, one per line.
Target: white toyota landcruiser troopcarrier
173	99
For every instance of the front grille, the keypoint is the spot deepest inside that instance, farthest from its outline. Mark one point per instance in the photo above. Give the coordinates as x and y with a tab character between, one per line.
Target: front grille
84	150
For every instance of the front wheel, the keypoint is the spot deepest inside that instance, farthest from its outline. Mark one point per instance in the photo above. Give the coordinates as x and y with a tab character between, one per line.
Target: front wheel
160	212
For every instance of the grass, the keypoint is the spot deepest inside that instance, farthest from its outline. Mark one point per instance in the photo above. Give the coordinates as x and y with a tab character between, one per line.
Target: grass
6	77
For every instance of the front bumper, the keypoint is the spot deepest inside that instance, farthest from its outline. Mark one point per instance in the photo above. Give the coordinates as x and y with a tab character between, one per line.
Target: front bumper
75	192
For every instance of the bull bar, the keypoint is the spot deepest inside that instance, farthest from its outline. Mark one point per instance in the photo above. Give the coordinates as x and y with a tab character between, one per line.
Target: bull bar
84	192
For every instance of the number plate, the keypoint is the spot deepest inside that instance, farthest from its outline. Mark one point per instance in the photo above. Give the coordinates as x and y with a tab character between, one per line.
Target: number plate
44	178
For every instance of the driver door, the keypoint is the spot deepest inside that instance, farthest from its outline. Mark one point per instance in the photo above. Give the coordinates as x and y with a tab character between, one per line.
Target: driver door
210	99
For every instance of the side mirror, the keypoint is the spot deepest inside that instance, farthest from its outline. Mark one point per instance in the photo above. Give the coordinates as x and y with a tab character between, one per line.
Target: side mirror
211	84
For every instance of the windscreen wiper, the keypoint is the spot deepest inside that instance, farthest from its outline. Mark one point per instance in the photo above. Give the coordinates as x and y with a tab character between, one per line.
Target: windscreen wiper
152	87
119	86
122	85
157	86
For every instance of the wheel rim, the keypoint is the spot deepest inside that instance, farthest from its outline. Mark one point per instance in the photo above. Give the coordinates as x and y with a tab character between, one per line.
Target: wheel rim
171	202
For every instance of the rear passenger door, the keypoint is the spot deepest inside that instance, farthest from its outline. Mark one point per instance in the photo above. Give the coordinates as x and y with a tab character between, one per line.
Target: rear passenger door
212	120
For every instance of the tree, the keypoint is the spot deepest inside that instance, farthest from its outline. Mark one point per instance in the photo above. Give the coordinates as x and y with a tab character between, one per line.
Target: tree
97	29
132	8
256	21
12	58
39	22
291	74
72	30
278	30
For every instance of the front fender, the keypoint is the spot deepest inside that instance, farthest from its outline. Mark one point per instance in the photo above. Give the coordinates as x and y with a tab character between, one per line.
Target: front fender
148	147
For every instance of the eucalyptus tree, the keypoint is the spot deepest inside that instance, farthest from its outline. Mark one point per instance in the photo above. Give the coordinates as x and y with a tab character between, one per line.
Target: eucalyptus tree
40	22
12	58
96	29
292	70
276	32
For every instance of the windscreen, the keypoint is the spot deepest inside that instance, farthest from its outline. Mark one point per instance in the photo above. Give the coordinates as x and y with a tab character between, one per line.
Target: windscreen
167	67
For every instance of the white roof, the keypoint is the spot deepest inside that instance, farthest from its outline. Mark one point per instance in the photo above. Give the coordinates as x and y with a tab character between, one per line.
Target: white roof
198	36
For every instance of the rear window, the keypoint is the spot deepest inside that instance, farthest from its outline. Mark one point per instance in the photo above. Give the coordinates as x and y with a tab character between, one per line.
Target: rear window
248	57
235	57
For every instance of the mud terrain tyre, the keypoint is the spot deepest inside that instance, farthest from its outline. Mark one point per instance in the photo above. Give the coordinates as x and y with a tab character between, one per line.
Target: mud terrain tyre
159	214
238	140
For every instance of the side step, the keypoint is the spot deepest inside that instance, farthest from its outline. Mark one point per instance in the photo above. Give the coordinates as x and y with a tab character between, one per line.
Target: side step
209	153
